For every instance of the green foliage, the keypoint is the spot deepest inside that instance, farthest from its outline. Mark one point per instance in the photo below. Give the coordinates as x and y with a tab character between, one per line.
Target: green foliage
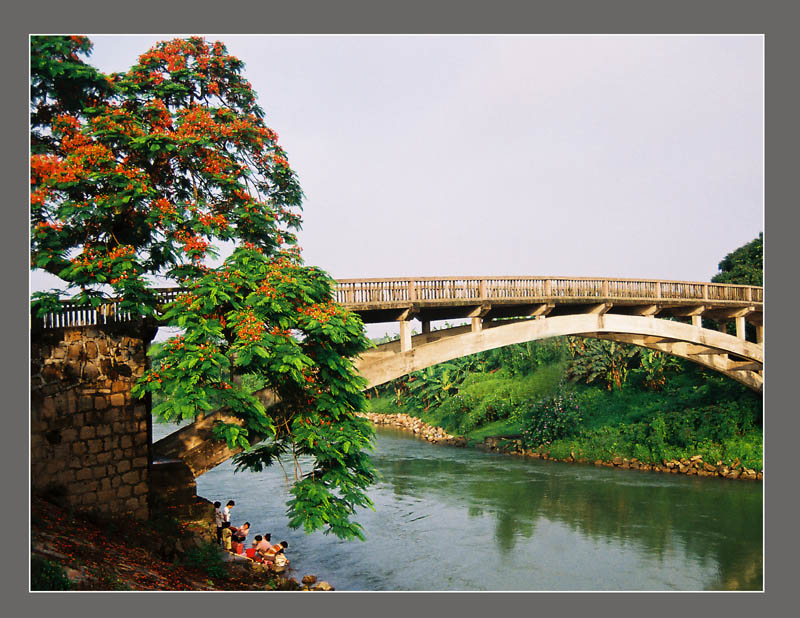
668	409
485	398
207	557
745	265
524	358
136	175
553	418
47	575
654	368
597	360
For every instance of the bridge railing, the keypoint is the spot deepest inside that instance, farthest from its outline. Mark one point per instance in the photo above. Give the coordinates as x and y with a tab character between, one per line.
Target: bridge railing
360	292
366	291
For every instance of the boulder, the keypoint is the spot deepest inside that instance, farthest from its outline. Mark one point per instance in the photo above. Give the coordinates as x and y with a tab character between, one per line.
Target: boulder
323	586
309	579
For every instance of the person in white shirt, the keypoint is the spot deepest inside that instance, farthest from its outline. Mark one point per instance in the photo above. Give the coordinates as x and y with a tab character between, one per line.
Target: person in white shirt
226	512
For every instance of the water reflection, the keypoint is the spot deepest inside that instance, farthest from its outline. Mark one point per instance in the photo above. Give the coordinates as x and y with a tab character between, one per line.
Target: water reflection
715	522
457	519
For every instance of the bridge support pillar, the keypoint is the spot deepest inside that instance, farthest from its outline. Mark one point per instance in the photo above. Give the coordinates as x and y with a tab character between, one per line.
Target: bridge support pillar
697	320
426	327
90	440
405	335
477	325
759	334
740	328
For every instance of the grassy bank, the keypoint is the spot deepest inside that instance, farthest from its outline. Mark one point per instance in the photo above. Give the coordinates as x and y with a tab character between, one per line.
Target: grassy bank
681	412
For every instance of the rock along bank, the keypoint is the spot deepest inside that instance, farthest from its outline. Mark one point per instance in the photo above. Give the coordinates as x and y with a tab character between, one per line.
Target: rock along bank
693	466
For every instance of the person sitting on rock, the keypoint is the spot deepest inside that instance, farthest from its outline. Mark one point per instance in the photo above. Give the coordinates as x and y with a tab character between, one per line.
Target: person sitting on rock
263	545
240	533
226	535
276	550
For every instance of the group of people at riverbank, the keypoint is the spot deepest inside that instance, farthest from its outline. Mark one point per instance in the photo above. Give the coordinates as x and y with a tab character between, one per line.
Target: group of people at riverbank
233	539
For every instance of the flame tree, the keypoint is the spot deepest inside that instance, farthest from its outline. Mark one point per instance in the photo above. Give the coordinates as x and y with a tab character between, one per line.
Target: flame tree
136	175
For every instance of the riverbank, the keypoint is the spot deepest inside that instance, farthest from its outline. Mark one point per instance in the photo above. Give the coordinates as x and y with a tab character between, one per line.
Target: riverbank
691	466
417	426
71	551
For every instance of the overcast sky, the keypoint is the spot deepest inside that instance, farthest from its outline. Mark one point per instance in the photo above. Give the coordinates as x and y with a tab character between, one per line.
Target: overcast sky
616	156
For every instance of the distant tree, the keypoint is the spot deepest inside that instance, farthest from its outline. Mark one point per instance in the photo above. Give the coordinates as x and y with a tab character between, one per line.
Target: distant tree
745	265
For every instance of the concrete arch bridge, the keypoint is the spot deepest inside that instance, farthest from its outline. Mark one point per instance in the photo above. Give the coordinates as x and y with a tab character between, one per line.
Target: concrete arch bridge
660	315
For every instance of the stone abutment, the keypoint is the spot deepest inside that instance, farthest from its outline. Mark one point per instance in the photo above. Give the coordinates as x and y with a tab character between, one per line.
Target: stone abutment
90	441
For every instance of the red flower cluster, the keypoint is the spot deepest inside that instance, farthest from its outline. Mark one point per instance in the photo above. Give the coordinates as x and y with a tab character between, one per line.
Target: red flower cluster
250	329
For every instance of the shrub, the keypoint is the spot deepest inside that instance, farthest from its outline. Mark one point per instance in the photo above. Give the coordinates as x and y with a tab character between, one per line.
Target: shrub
46	575
207	557
551	418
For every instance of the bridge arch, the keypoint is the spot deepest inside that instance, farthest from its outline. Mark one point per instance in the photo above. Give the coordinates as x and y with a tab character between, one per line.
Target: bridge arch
732	356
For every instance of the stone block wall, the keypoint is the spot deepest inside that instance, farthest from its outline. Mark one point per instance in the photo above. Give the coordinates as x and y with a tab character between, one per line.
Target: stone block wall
90	441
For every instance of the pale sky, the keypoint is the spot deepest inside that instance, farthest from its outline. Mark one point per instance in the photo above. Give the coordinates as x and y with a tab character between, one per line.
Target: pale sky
615	156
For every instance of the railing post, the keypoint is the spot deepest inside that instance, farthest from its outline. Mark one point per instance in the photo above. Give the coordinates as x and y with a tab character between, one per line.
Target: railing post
760	333
749	294
705	291
548	287
658	289
482	289
412	290
604	288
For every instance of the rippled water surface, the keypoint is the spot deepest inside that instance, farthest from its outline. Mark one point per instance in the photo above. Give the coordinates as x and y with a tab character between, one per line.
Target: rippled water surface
449	518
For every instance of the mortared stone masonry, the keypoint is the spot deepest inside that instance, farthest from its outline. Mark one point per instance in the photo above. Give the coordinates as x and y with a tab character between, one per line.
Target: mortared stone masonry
90	441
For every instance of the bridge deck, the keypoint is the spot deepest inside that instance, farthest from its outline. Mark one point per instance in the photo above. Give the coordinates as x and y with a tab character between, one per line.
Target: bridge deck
437	298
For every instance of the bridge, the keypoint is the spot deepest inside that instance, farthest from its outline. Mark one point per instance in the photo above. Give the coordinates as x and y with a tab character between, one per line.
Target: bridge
669	316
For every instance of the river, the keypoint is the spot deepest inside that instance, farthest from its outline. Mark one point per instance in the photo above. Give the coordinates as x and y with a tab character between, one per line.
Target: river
449	518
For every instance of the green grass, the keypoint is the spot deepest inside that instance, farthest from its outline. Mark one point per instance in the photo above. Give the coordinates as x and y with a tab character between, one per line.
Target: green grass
696	413
500	429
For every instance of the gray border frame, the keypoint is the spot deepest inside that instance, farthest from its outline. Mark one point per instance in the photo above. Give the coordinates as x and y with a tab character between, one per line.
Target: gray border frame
414	16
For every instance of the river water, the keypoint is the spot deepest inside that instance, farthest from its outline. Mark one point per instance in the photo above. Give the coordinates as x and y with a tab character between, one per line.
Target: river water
449	518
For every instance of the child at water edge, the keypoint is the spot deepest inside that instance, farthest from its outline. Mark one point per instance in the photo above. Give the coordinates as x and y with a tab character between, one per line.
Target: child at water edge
240	533
275	551
263	545
226	535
